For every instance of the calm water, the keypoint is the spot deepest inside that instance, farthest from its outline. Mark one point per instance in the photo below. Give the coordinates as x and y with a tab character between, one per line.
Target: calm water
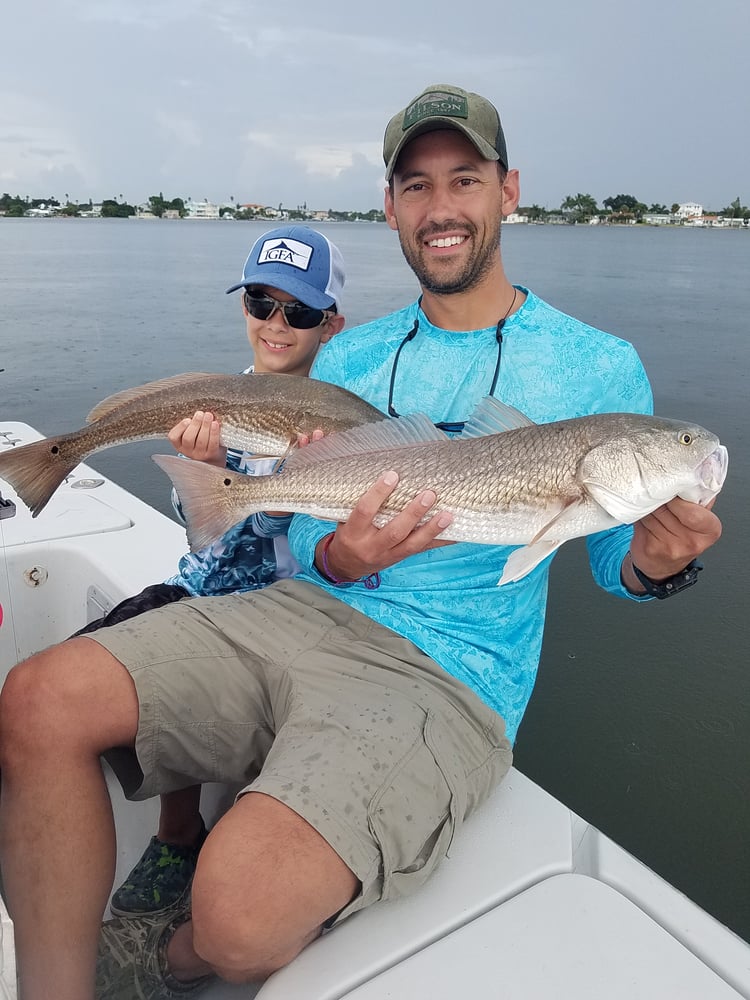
640	718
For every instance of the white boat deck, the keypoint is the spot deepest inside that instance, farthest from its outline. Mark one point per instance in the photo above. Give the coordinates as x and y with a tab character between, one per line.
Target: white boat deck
533	902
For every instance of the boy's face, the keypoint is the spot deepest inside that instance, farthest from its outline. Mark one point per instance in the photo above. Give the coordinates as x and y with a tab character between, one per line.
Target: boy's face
279	347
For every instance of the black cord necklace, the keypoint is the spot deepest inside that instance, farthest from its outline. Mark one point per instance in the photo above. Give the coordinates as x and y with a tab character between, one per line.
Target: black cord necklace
451	427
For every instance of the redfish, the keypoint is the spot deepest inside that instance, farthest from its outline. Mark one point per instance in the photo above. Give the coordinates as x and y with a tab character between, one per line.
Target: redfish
533	485
259	413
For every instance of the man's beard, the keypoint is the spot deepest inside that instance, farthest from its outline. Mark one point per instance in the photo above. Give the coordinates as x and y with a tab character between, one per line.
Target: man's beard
478	265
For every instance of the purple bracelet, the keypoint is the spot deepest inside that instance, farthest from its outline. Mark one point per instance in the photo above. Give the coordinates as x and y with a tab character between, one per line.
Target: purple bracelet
372	582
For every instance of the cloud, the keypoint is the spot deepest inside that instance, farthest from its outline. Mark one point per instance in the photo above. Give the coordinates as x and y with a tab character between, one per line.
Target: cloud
148	14
331	161
275	102
35	147
185	131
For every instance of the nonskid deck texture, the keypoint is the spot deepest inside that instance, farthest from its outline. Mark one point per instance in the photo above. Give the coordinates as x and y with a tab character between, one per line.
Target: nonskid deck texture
533	902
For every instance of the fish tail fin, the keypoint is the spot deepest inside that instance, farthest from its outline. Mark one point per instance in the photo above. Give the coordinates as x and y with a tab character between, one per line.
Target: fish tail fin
206	497
36	470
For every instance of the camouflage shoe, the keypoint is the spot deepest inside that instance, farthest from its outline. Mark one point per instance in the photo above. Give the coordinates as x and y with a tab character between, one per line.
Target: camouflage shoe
159	880
131	963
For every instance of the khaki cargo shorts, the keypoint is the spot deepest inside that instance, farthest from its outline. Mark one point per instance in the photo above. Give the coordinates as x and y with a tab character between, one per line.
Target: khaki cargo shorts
290	692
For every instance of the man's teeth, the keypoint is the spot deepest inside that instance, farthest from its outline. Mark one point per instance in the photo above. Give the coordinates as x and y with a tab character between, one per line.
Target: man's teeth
447	241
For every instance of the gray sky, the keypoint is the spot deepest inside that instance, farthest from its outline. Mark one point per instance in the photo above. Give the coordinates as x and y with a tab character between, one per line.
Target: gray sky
286	101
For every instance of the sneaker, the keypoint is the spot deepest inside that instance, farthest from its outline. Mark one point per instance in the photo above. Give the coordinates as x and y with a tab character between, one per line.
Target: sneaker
159	880
131	961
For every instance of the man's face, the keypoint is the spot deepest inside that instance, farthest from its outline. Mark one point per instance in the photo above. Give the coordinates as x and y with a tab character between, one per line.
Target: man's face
447	204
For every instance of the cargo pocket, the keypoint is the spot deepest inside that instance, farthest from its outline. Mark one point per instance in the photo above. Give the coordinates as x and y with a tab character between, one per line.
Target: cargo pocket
415	814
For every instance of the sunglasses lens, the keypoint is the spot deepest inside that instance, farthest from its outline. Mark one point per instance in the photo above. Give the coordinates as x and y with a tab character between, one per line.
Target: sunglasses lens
303	317
259	306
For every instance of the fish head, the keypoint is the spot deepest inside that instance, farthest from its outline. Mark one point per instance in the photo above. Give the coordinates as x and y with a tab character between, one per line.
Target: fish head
651	461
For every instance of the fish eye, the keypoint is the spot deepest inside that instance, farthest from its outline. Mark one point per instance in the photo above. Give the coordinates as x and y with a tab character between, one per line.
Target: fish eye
227	482
686	438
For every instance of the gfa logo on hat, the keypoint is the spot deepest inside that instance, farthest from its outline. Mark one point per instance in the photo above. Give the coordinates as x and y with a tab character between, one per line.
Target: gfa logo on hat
284	251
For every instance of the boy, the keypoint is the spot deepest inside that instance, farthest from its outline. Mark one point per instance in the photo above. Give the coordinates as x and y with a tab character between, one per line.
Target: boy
291	288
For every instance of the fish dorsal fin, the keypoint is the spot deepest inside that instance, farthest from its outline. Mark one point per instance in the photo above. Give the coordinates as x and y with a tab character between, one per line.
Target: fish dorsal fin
126	395
494	417
393	432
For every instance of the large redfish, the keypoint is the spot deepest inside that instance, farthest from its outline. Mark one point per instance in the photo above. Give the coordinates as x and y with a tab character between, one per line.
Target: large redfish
259	413
534	485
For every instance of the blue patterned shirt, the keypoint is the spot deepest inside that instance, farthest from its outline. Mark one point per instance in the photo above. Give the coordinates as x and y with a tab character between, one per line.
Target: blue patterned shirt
446	600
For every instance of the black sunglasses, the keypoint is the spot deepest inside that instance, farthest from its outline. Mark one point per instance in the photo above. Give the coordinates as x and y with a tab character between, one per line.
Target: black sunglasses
296	314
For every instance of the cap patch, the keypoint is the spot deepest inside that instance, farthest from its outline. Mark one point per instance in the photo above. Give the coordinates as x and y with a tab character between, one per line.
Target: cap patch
286	251
437	102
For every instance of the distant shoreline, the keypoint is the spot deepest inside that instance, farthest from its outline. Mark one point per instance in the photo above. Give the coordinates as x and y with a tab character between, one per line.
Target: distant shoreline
727	226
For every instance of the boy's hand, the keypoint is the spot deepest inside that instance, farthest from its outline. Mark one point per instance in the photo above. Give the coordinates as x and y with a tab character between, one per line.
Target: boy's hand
303	439
198	438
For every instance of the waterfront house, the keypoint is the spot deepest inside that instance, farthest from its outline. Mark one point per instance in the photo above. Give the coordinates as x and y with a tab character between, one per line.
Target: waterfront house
201	210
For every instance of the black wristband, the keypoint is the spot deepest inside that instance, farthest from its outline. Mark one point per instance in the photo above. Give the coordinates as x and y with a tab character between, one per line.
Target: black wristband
673	584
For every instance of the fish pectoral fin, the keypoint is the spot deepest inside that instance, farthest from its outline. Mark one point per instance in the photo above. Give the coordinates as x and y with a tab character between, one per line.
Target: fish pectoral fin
521	561
543	544
625	510
568	510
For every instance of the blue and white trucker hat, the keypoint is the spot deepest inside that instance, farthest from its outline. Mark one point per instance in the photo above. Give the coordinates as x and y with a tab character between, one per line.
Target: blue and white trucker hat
299	261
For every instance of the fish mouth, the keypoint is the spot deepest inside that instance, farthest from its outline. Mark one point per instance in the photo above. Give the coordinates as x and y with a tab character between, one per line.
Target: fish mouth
713	470
710	476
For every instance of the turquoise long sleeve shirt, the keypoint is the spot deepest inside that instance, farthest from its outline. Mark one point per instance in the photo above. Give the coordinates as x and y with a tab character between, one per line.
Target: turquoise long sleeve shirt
446	600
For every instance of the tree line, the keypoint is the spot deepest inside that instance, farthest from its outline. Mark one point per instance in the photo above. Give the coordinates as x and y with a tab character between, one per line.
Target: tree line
619	208
574	208
158	205
16	207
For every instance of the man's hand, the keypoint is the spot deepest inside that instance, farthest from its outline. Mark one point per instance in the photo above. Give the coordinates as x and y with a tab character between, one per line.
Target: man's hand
665	541
358	548
198	438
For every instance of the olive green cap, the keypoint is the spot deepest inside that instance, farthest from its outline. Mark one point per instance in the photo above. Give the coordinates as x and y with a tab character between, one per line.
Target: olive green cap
442	105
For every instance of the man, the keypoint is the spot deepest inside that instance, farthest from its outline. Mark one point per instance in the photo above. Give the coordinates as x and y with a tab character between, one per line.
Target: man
364	703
